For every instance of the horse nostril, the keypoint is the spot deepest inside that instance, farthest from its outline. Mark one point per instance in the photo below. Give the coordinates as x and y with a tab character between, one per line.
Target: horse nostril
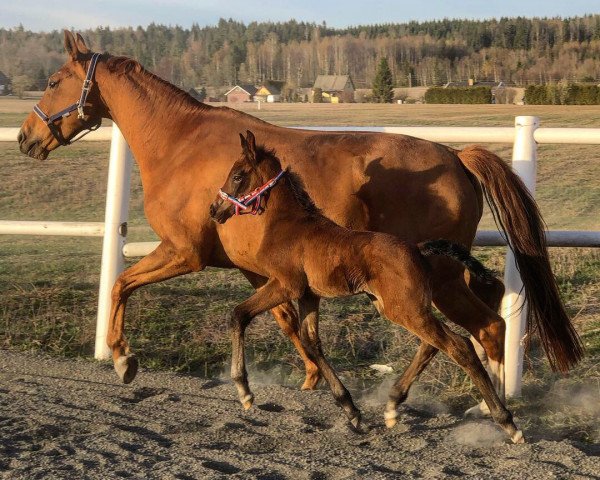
20	137
213	210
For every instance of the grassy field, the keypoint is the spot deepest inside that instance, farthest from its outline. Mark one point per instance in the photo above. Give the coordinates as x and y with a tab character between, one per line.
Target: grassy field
48	286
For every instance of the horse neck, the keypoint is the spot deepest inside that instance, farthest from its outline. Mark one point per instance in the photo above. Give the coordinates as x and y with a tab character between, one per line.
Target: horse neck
282	204
147	115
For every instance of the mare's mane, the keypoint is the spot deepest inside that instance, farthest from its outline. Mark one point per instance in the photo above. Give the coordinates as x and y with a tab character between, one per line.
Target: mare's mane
125	65
292	179
122	65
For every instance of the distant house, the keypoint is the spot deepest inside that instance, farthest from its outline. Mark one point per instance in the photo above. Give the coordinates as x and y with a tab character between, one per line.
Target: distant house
4	84
269	92
335	88
496	87
241	93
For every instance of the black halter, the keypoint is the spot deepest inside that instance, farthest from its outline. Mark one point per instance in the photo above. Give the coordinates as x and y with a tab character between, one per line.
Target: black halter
85	90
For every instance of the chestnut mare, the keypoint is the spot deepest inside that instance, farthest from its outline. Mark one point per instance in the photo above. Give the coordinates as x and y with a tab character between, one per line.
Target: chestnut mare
306	256
410	188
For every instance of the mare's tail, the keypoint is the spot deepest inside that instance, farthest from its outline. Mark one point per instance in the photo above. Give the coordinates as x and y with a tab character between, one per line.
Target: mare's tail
458	253
518	216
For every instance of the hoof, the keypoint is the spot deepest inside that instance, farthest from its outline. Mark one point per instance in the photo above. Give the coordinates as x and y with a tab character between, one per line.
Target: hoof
518	437
126	368
356	424
390	418
311	381
247	401
480	410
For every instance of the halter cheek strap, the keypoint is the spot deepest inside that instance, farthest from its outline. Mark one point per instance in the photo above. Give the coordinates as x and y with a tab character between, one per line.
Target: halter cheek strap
251	202
85	90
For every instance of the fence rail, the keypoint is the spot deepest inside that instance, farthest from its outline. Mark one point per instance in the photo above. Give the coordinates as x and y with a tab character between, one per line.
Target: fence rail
524	136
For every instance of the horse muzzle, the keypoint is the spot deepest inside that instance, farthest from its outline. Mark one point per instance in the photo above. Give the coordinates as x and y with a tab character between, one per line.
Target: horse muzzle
219	211
32	147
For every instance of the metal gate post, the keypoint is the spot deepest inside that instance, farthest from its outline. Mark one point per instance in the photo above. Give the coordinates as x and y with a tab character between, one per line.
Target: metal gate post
524	162
115	231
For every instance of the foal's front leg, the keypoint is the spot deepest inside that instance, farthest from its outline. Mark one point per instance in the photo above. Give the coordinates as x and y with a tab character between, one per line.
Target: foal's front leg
265	298
308	306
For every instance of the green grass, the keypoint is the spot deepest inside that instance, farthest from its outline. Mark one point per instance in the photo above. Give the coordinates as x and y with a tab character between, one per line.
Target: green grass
48	285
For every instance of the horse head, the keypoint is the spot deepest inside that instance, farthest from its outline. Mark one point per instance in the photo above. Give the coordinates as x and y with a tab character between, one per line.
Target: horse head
70	105
248	182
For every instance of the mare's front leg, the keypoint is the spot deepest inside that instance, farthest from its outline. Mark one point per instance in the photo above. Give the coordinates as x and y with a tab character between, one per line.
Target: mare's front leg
287	319
266	297
163	263
308	305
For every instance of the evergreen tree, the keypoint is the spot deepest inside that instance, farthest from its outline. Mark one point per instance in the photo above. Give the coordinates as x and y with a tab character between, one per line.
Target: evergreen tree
383	85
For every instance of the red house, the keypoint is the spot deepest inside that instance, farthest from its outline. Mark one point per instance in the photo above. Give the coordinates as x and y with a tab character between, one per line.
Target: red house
241	93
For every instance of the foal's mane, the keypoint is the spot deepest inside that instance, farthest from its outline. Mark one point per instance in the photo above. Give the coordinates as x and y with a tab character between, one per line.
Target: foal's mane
292	180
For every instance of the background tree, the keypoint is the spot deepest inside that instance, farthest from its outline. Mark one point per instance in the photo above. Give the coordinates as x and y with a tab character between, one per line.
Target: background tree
317	96
20	83
383	85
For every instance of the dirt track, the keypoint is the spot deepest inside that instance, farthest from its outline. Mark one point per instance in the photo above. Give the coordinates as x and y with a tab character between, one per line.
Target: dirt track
72	419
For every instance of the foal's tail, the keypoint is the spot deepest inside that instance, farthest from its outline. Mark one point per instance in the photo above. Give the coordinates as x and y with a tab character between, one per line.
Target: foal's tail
518	216
458	253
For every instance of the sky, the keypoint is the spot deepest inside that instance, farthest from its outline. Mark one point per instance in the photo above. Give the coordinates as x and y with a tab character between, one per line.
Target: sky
47	15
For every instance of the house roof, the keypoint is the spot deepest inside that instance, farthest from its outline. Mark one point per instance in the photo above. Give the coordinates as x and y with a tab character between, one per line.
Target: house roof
332	83
274	87
249	89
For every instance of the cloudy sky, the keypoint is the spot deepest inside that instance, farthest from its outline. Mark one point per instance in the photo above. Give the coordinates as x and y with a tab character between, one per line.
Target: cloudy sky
80	14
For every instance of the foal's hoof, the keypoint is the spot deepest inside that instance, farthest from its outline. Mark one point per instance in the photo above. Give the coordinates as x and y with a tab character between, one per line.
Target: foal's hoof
311	381
518	437
126	367
390	417
356	425
247	401
481	410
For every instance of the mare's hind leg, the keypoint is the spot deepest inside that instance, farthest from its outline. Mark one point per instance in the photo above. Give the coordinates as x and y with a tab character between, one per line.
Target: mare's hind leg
459	349
308	305
159	265
287	319
265	298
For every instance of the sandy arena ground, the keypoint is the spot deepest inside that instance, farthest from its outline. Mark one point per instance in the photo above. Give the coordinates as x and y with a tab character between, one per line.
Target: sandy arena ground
73	419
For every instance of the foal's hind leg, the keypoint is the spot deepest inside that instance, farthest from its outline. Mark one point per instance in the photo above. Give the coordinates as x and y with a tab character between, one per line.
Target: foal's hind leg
308	305
159	265
265	298
463	307
459	349
399	390
460	305
287	319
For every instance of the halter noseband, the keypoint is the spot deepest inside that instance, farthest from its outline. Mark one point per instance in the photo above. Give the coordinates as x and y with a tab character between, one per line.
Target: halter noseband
85	90
251	201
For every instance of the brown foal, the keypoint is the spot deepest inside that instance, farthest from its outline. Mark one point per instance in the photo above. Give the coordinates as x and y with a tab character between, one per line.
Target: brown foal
306	256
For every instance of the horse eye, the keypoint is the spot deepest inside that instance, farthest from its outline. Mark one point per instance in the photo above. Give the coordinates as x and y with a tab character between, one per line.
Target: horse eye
52	84
237	178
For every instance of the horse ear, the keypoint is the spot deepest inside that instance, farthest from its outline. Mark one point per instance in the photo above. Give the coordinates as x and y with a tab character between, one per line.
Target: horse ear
71	45
251	141
81	46
243	142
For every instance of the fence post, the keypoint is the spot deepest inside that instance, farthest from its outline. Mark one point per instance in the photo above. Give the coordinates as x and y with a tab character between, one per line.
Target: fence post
524	160
115	231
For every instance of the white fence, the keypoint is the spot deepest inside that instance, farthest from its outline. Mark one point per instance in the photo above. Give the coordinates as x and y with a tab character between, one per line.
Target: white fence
524	137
